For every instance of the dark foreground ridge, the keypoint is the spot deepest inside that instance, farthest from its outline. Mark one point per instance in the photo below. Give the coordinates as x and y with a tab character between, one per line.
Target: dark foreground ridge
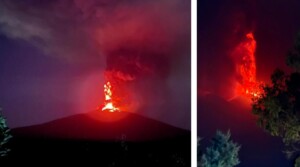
101	139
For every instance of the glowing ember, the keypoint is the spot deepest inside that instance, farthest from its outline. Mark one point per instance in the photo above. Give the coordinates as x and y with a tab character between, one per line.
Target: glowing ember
108	103
246	67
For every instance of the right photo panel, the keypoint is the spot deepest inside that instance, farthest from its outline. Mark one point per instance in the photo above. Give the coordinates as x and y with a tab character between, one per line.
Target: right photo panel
248	90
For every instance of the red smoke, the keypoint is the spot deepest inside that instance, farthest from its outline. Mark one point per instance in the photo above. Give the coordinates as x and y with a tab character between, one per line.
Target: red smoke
143	46
140	44
244	58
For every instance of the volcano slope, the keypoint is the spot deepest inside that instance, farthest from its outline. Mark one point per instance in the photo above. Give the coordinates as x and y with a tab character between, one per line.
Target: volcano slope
100	139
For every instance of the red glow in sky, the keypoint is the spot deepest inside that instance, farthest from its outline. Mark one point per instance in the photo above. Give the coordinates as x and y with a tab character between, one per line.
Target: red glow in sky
244	53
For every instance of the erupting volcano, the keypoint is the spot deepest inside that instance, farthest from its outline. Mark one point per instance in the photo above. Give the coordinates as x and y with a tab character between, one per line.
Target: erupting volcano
244	54
108	103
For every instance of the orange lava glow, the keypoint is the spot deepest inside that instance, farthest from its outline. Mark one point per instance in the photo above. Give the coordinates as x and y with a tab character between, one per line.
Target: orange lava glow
108	103
246	68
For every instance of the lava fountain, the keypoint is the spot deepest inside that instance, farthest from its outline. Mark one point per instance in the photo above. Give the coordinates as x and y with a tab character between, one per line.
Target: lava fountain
244	55
108	103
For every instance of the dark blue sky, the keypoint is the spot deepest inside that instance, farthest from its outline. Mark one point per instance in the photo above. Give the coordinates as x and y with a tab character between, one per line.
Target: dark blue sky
36	88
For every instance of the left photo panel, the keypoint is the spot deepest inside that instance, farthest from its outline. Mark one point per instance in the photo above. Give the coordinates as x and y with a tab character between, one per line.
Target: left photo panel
106	83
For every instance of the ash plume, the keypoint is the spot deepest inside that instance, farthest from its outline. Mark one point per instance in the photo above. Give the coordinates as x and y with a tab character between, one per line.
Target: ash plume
229	23
141	45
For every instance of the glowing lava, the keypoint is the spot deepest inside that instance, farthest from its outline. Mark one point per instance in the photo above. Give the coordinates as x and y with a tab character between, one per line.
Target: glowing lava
244	54
108	103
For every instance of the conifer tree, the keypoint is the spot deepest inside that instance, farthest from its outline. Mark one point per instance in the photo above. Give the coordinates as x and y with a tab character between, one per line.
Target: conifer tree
222	153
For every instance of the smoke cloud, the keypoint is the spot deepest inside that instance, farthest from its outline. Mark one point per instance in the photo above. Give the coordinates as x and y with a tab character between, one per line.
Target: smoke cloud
225	28
141	45
89	31
222	26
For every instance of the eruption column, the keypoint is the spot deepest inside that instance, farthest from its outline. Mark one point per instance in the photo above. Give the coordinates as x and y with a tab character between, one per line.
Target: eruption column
108	103
244	54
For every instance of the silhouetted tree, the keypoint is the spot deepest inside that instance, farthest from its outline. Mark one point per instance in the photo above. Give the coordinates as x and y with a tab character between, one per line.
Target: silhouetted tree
297	162
278	109
5	136
222	153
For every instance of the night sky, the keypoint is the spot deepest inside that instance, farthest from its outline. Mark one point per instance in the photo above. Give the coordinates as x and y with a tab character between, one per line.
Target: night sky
222	25
56	55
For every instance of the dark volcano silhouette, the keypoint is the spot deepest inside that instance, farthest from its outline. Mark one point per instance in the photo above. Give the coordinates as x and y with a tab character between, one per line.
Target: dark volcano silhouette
101	139
258	148
105	126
